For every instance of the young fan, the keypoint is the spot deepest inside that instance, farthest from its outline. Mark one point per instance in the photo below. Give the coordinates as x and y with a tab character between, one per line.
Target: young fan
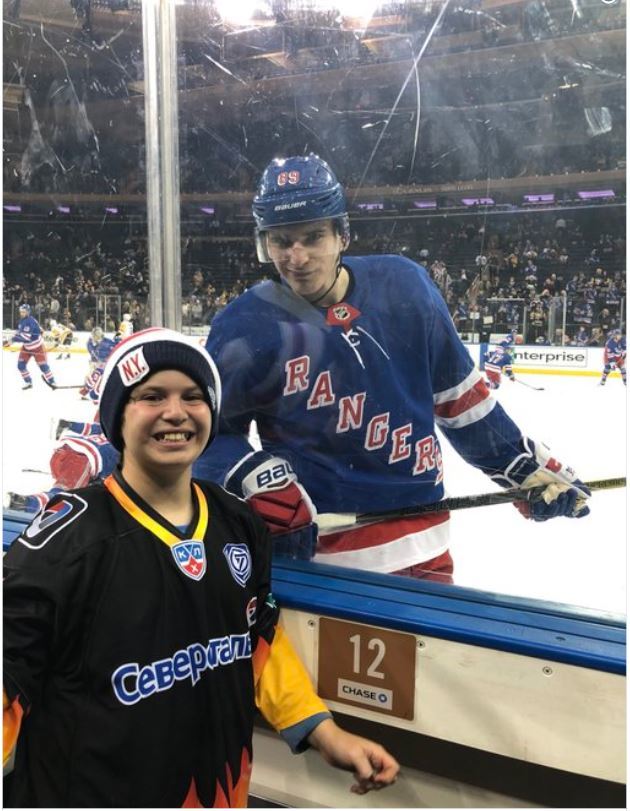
140	632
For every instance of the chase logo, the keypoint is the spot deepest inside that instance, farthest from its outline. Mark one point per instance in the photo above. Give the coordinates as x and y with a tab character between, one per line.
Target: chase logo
190	556
59	513
365	694
239	560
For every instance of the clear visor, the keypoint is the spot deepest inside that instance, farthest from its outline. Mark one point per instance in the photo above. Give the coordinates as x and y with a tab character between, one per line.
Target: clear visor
261	239
261	247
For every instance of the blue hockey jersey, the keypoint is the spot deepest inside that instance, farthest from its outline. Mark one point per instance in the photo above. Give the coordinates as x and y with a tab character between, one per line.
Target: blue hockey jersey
350	394
29	333
615	350
99	352
499	360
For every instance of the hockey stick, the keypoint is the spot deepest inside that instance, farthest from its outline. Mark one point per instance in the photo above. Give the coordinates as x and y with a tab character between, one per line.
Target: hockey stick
35	470
529	385
339	520
79	386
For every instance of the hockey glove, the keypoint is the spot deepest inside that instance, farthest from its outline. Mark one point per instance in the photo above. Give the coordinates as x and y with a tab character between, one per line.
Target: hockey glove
270	486
564	493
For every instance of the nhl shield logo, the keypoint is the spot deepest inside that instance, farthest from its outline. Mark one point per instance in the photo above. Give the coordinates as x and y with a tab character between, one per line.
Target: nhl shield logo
190	556
341	313
239	560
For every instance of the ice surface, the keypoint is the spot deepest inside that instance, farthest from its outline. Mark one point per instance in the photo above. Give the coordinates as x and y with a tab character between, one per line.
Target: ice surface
575	561
578	562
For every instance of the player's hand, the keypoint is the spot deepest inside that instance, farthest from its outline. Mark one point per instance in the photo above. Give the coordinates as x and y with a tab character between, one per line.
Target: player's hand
271	487
374	768
563	494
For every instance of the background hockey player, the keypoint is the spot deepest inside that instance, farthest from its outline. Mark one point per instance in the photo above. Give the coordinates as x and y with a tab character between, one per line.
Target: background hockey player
81	455
508	342
614	356
29	334
99	349
139	629
60	336
346	364
125	328
498	361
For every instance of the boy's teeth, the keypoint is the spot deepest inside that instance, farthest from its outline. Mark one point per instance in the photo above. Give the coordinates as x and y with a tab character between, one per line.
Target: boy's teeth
173	436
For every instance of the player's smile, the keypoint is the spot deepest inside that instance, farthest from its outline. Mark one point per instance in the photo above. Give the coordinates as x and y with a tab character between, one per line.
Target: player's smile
306	256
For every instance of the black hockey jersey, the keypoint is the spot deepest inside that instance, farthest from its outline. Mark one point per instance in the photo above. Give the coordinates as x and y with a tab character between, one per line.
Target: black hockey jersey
134	648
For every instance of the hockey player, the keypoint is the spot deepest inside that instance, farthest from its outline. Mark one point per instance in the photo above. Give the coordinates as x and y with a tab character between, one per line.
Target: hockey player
346	364
125	328
140	633
498	361
29	334
61	336
81	455
614	356
99	349
508	341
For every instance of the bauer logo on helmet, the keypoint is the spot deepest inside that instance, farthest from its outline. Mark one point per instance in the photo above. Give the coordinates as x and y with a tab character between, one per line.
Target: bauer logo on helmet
285	206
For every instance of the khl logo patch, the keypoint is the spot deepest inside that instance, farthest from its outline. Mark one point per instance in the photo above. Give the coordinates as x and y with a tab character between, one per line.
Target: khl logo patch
239	560
190	556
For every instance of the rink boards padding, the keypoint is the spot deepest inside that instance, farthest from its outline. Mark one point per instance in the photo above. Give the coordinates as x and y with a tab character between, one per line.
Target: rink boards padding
583	637
535	359
587	638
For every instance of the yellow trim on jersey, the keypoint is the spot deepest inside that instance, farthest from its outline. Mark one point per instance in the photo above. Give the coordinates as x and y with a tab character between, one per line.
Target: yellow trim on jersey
284	693
160	531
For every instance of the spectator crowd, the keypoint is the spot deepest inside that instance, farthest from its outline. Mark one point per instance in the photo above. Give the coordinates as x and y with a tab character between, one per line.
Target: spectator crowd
552	279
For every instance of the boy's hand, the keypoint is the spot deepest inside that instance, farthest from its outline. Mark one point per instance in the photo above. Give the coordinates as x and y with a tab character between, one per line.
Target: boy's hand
374	768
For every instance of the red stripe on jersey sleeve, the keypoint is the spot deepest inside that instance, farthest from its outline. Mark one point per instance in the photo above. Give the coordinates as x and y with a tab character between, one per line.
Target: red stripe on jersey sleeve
469	399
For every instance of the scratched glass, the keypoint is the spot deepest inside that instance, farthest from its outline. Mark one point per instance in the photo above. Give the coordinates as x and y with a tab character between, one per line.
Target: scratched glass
74	184
485	139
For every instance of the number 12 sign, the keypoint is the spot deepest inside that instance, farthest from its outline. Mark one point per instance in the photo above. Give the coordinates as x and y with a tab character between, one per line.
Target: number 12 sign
369	667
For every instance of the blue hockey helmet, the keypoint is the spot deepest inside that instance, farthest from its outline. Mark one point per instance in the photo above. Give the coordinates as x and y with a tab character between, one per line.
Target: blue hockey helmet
26	308
298	190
